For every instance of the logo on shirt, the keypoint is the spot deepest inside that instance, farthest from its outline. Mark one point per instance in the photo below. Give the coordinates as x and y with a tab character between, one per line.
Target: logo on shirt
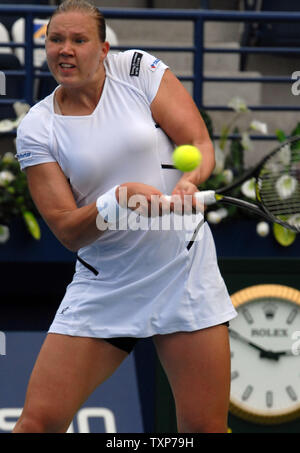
136	64
155	64
24	156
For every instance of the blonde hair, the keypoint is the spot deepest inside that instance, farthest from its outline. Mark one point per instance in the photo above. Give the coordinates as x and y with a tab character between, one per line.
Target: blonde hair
86	7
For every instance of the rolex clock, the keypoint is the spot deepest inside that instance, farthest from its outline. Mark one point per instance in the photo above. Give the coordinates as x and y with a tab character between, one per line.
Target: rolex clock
265	354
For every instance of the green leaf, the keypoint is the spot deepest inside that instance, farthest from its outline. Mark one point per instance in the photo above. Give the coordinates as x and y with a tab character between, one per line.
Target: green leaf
296	131
223	139
280	135
235	158
284	236
32	224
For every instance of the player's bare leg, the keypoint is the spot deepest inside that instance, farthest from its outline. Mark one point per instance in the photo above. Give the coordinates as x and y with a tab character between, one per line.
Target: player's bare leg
197	365
66	372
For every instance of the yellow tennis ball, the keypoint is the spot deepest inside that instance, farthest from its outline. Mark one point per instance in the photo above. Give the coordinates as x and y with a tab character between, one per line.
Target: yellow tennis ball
187	157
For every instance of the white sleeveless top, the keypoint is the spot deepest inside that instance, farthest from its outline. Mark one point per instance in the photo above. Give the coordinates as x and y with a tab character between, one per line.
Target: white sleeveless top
148	282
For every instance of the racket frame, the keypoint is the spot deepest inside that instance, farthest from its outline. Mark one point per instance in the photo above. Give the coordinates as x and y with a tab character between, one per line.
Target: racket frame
260	209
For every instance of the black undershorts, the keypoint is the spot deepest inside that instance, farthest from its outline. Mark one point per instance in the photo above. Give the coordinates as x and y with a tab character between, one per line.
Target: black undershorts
127	343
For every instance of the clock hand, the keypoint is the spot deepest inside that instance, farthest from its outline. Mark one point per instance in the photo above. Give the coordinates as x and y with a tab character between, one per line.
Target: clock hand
238	336
264	353
286	353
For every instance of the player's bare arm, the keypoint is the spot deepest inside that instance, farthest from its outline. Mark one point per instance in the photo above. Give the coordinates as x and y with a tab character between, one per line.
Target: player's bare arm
74	227
175	111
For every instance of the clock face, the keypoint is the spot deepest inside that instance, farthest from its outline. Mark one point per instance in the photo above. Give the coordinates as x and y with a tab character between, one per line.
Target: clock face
265	354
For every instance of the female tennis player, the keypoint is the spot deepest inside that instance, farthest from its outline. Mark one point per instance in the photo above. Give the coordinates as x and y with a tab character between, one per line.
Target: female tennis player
112	123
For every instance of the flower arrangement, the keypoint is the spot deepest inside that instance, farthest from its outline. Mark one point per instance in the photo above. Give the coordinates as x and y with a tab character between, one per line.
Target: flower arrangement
15	199
229	154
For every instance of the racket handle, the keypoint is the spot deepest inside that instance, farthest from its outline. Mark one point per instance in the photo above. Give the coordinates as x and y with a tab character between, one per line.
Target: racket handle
206	197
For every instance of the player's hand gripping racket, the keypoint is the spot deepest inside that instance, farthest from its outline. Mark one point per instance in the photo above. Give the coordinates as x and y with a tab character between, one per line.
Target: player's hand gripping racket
277	187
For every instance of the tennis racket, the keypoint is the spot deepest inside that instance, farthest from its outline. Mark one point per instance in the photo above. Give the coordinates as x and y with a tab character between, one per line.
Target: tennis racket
277	187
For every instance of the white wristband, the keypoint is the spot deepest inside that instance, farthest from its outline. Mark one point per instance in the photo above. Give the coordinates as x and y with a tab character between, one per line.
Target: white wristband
109	208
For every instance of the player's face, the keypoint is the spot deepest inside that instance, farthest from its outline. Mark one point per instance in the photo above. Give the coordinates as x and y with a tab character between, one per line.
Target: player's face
75	53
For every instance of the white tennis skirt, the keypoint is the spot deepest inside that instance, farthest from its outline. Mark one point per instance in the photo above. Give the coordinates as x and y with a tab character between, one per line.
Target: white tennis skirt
148	283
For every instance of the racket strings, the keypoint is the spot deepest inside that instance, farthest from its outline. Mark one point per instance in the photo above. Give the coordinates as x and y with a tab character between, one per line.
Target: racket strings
278	185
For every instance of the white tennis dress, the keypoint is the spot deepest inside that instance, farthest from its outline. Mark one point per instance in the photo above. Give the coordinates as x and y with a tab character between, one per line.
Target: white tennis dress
148	281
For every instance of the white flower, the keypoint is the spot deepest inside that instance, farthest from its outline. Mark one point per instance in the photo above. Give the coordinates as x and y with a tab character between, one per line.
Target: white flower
8	158
294	220
285	155
273	167
259	126
4	234
217	216
286	186
238	104
21	108
220	160
228	176
262	229
248	188
6	177
246	141
6	125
